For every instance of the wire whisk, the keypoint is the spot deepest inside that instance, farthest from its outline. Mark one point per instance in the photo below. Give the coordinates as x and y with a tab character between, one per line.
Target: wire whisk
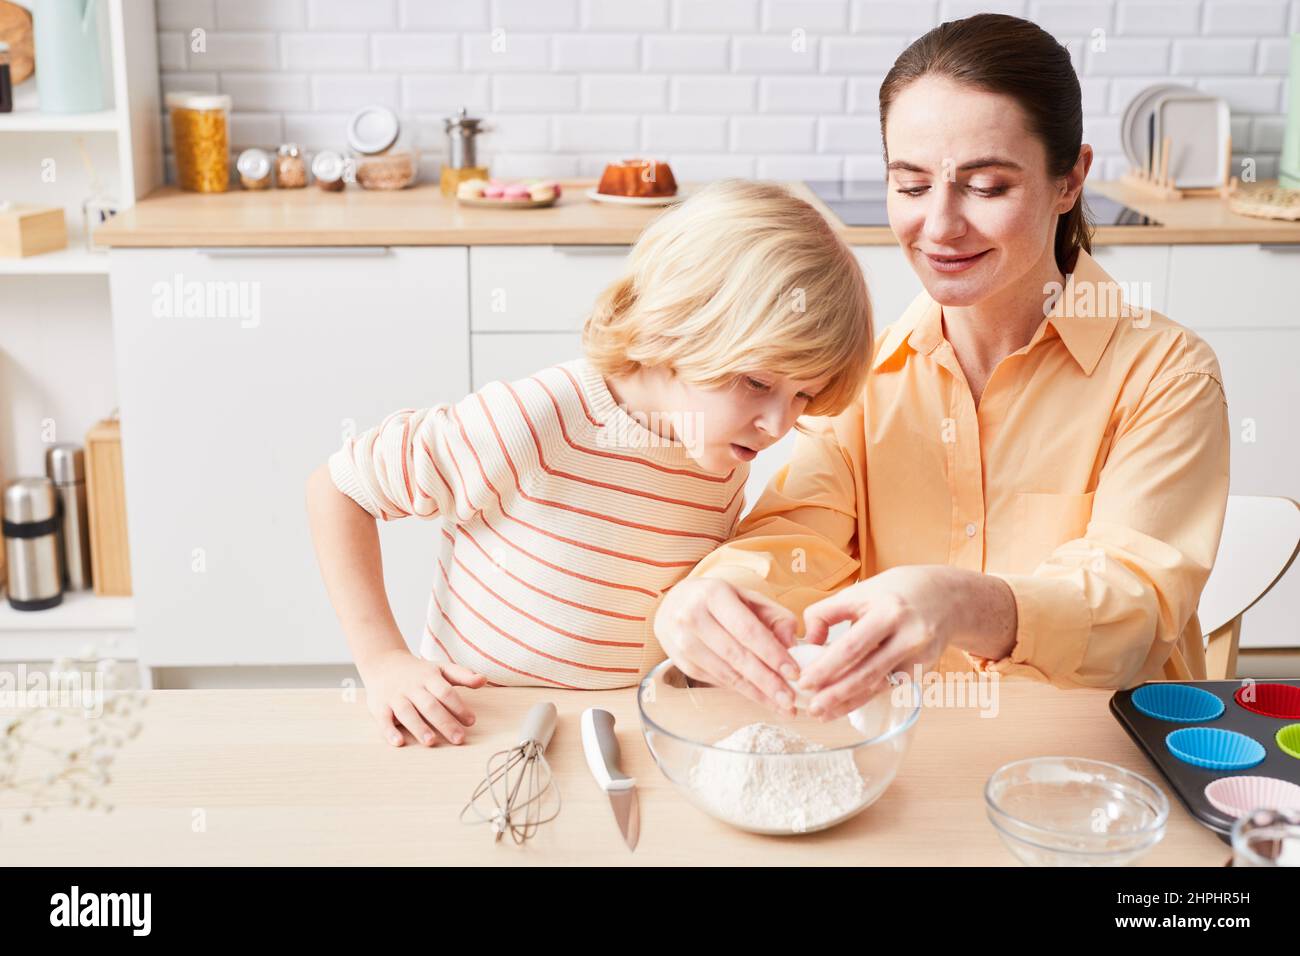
518	788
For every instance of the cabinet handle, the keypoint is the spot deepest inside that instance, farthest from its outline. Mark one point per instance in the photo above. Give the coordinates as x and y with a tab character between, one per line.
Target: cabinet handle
1280	246
262	252
593	250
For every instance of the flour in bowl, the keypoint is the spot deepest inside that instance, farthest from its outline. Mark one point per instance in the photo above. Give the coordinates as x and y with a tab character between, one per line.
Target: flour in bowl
776	793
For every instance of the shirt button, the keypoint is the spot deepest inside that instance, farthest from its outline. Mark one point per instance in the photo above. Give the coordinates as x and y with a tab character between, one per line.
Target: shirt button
970	531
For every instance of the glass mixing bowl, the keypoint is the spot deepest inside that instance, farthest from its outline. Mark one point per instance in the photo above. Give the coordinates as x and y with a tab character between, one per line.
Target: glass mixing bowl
771	792
1068	811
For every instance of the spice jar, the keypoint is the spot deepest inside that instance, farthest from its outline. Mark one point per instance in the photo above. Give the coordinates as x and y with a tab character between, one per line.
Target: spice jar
382	159
199	138
290	167
327	169
254	166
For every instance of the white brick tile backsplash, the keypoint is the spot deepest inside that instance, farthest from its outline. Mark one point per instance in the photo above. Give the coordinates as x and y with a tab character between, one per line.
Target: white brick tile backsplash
864	94
910	18
544	15
415	52
774	54
704	167
1080	17
317	131
1257	95
609	92
596	53
729	16
351	15
444	14
802	166
772	134
847	134
670	53
802	94
535	93
186	15
256	129
610	134
1129	55
663	134
861	54
1157	17
1197	57
1235	17
624	14
269	92
446	93
171	50
1275	54
236	51
324	51
351	91
714	94
502	52
724	87
261	14
811	16
1266	134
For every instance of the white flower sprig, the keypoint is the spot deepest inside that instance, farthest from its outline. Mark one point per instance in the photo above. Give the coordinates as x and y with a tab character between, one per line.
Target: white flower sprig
71	731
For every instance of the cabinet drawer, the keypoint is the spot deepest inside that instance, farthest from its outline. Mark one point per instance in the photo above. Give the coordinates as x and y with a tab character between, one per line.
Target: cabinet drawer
1234	286
538	288
506	357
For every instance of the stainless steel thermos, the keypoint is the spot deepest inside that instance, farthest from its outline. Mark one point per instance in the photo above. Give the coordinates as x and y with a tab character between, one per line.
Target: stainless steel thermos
65	465
31	524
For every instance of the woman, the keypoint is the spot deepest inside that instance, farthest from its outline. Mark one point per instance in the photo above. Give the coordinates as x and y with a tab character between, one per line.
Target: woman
1034	480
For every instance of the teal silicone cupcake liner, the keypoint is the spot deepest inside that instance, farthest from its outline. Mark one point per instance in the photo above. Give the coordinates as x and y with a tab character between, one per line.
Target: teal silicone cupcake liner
1178	703
1214	749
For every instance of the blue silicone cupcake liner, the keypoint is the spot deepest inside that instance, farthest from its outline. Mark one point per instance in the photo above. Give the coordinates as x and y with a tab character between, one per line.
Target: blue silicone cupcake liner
1178	703
1215	749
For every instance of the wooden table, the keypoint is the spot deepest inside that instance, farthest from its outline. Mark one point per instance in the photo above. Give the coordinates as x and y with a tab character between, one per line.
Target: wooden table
303	777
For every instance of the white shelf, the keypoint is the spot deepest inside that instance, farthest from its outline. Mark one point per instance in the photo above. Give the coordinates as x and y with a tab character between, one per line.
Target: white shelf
83	618
28	118
74	260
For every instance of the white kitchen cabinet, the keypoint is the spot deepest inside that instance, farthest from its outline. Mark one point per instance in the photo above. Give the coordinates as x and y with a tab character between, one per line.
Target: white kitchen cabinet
1243	286
540	288
508	356
231	394
1142	271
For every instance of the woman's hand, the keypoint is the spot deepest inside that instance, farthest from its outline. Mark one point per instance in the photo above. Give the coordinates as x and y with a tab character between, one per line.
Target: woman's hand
901	617
732	637
405	691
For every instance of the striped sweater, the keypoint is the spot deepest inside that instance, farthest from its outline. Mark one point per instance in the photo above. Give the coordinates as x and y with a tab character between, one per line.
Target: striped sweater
565	521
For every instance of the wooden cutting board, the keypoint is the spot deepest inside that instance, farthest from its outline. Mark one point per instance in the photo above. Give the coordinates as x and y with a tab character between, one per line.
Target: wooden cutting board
16	30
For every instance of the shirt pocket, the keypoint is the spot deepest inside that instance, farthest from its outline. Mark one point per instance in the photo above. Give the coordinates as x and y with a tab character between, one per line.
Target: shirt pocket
1044	522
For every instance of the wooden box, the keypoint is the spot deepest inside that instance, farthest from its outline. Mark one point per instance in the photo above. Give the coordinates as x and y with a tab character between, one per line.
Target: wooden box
31	230
110	557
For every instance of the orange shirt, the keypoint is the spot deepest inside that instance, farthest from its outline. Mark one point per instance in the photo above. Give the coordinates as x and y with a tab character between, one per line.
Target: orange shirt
1092	478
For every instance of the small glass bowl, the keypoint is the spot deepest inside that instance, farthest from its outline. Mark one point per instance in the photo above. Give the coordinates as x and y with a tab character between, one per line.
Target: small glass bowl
681	719
1070	811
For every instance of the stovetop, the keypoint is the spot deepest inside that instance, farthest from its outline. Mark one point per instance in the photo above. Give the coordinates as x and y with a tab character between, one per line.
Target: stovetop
860	202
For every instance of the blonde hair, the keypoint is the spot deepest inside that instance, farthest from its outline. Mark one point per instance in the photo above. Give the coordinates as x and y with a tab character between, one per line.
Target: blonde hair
741	276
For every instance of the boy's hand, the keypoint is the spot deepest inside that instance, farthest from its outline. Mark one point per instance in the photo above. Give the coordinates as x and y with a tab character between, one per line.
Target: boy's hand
405	691
730	636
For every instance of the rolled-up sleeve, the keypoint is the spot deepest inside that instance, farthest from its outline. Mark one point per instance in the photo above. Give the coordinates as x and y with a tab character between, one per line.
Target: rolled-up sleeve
1107	609
799	543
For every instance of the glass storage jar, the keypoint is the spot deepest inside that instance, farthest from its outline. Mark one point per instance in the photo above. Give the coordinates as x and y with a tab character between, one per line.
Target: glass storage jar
200	140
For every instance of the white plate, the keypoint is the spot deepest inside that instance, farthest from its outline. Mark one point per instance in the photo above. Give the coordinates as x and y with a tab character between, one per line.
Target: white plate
635	200
1135	127
1198	127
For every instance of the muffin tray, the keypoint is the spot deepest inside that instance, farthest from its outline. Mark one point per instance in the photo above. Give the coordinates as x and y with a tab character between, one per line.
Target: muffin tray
1200	732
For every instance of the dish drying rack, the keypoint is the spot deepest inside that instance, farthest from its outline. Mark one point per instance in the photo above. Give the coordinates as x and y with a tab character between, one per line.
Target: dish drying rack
1156	182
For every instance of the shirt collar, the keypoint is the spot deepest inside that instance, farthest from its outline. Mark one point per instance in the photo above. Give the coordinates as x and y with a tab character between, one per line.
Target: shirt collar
1083	317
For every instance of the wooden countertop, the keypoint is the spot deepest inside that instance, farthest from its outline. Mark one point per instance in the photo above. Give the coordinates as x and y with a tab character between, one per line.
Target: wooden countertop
422	216
302	777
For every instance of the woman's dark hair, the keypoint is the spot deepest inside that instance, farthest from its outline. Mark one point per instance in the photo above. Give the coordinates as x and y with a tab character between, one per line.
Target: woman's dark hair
1019	59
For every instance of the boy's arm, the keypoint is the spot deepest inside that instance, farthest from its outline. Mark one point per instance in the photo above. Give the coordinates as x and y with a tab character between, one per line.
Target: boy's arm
347	549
